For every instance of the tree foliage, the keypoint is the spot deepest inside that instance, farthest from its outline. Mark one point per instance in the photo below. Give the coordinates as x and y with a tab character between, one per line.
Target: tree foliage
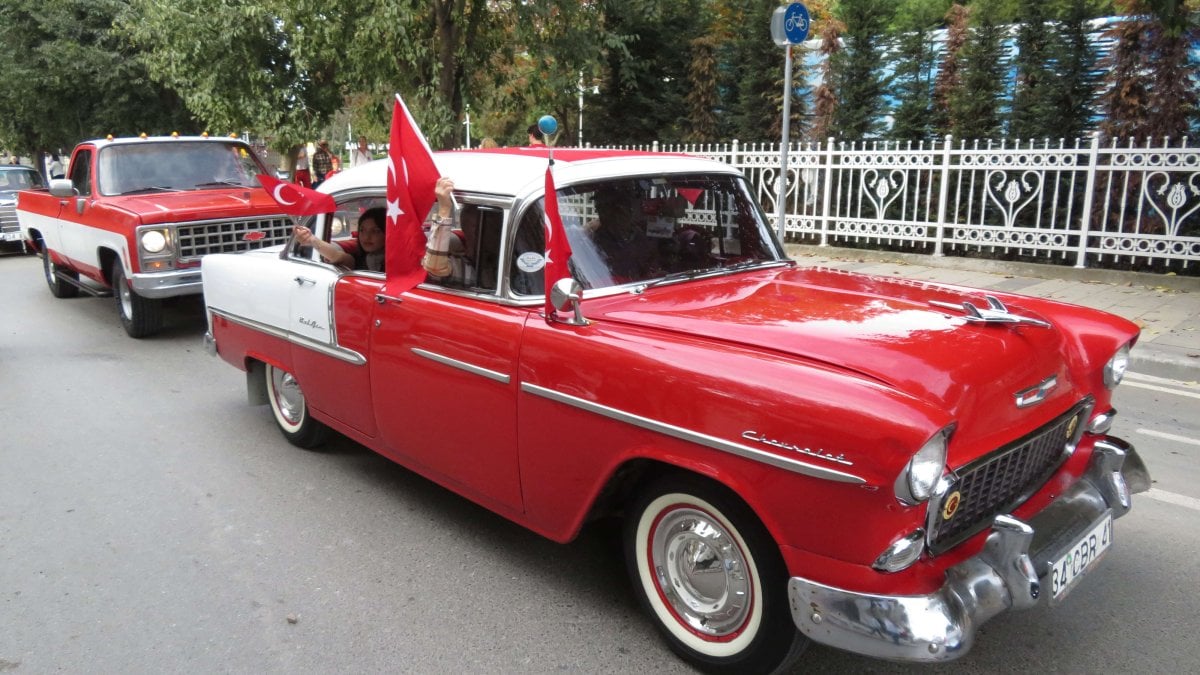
914	64
65	75
976	104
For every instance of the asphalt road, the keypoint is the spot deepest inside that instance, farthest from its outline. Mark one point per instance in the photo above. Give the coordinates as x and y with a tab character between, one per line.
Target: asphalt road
151	521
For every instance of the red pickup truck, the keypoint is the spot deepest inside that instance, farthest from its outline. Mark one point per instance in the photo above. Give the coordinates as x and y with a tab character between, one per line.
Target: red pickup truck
136	215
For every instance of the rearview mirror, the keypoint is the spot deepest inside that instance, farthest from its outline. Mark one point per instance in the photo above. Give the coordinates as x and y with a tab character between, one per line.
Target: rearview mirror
62	187
568	293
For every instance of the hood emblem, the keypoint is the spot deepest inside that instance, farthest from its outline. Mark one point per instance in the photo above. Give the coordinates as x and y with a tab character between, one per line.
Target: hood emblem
1037	393
257	235
995	312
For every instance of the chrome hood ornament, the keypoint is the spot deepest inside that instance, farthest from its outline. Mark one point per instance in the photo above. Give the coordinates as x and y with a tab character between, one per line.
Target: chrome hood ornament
995	312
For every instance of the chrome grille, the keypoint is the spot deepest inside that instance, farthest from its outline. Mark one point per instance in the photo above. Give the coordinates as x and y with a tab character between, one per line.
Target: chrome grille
8	219
1001	480
231	236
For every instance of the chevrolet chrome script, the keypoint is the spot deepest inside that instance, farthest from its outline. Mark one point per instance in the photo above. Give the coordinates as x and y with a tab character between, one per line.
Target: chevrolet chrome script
822	454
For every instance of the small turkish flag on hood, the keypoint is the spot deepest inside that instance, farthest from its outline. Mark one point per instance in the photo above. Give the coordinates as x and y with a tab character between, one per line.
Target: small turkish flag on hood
411	178
296	200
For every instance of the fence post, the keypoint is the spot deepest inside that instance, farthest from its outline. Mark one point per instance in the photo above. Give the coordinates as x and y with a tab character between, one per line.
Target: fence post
733	154
1089	192
828	191
943	197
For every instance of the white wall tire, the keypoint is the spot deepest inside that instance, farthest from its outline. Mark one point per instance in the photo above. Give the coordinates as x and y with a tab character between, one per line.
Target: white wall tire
290	409
711	578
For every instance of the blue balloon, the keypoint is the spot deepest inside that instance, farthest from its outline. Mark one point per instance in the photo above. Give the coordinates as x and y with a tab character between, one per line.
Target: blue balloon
547	125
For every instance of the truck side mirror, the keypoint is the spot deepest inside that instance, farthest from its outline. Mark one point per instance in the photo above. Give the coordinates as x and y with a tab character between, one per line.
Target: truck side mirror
62	187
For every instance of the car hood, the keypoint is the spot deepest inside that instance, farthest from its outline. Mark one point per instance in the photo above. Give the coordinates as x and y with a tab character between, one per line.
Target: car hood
880	328
167	207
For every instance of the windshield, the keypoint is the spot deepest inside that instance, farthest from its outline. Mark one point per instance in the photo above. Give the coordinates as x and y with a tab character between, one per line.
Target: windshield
154	166
12	180
630	230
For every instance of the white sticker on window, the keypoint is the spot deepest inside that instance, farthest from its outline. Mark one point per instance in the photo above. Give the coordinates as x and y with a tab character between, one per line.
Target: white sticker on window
531	262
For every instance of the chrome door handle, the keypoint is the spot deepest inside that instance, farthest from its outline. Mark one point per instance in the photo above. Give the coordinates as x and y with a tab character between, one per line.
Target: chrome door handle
381	298
301	281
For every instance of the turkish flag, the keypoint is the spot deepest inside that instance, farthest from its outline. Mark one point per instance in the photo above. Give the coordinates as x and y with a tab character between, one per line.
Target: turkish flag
411	178
558	249
296	200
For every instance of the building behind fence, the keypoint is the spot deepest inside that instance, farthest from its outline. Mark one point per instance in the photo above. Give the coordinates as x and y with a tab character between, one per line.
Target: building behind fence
1087	204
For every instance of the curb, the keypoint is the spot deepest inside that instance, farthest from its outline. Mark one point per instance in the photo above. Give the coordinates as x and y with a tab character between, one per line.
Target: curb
1151	360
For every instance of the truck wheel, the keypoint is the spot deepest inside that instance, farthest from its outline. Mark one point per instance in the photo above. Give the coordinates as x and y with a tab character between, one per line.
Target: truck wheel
139	316
711	578
291	410
58	287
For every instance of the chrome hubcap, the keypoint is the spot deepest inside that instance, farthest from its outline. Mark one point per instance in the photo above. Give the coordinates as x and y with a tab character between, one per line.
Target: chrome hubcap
701	572
126	299
289	400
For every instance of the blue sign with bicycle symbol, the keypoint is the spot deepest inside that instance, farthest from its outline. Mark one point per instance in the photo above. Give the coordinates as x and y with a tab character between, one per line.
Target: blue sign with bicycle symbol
790	24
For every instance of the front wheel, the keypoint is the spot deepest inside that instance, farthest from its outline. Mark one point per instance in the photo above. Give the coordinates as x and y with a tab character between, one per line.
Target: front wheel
291	410
139	316
711	577
58	287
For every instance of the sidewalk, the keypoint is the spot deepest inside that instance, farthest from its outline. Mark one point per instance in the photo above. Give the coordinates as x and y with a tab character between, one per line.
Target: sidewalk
1166	308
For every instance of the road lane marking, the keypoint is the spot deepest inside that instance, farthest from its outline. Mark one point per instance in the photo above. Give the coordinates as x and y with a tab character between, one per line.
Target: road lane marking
1169	437
1172	498
1177	392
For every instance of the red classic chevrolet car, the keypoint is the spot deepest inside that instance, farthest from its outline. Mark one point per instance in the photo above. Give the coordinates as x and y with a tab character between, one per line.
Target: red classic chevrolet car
798	454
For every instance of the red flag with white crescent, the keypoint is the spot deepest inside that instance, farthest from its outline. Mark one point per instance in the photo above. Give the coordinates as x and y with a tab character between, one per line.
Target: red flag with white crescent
296	200
411	178
558	249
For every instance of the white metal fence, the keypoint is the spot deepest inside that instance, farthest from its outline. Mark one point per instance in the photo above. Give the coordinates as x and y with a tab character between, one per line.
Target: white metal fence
1089	204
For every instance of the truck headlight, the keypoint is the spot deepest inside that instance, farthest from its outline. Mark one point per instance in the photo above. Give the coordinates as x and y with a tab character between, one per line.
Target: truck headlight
1114	370
154	241
916	482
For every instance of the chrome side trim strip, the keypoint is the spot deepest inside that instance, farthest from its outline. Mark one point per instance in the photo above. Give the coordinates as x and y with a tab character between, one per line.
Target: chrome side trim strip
339	353
462	365
690	436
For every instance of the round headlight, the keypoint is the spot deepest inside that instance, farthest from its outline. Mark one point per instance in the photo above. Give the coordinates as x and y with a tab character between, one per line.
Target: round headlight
1114	370
153	241
922	473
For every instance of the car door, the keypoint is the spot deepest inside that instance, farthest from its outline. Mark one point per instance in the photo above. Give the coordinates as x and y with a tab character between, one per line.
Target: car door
443	377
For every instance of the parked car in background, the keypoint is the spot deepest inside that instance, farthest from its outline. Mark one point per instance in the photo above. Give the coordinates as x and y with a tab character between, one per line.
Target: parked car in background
13	178
136	215
798	454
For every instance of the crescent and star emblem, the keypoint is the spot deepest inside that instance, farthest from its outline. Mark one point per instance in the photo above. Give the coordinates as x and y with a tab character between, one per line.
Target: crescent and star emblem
279	195
951	507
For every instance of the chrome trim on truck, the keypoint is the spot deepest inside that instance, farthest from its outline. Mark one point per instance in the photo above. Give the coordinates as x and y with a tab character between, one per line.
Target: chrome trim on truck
167	284
1009	573
690	436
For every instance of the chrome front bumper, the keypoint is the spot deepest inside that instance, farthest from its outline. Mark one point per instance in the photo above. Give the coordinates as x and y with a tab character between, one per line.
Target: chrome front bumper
167	284
1009	573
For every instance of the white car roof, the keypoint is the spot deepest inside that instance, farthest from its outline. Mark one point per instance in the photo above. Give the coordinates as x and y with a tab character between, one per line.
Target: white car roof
519	172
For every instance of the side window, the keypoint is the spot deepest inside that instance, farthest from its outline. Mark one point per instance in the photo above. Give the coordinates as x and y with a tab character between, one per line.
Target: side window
526	276
474	250
81	172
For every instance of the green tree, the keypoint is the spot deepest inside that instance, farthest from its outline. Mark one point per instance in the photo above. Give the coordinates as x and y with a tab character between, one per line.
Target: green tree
1074	55
949	77
914	63
65	76
703	95
1034	114
975	105
857	69
265	65
751	64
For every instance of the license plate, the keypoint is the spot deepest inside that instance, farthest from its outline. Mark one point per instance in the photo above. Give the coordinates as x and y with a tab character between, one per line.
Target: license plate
10	236
1080	558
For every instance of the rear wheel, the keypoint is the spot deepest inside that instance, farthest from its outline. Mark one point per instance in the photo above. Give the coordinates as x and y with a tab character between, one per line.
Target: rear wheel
58	287
139	316
291	410
711	577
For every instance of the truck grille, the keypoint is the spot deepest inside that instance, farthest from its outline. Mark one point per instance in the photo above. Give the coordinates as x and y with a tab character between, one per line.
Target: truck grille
1002	479
231	236
8	219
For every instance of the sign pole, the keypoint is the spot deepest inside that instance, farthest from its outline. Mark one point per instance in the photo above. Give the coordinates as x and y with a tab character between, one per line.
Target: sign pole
789	26
781	184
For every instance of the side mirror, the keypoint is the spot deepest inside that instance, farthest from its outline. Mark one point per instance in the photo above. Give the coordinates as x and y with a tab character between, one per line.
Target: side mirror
568	293
62	187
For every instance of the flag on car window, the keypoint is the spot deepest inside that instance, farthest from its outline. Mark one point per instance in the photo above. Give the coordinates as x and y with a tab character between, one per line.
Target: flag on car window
296	200
411	178
558	249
